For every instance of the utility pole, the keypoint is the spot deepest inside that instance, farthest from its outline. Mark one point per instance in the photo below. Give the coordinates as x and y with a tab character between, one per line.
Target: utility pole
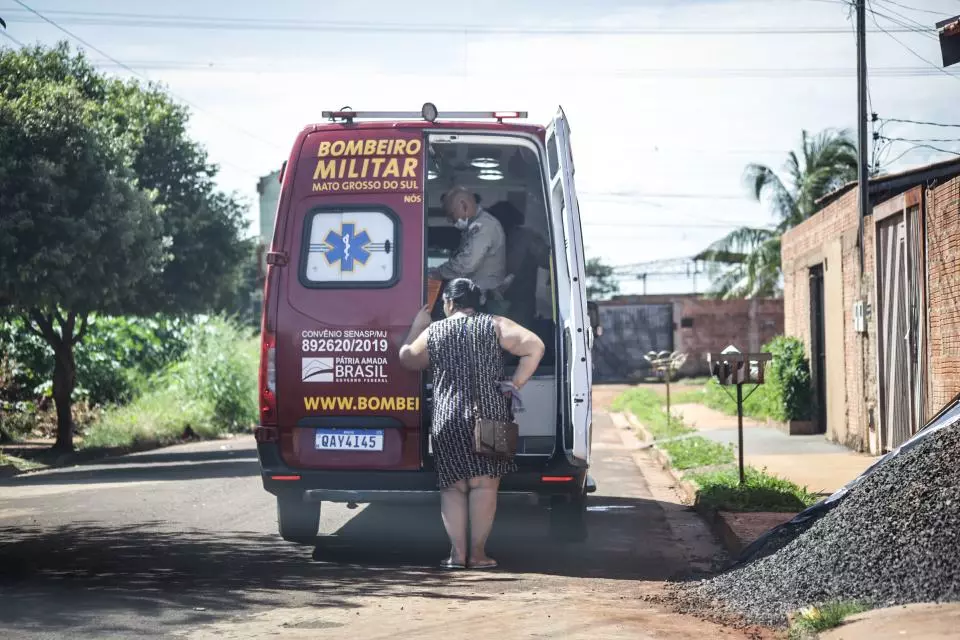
863	177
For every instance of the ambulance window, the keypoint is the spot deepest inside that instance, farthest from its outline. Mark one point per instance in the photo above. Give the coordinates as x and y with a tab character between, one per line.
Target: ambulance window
552	155
345	249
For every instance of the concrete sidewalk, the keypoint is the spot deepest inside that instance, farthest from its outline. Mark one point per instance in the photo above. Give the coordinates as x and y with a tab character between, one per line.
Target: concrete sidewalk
809	461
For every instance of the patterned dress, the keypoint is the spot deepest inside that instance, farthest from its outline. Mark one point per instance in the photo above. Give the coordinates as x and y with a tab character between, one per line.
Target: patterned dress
465	359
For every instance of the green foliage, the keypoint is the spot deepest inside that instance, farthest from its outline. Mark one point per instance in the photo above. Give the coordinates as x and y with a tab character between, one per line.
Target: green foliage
787	392
697	451
211	391
721	490
116	354
647	407
813	620
108	207
746	262
789	381
758	405
601	283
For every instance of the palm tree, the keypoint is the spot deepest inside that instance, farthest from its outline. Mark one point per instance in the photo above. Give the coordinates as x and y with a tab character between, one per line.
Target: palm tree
746	262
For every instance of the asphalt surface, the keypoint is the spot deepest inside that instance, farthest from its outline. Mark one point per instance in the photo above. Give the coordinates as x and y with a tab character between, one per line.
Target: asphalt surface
182	543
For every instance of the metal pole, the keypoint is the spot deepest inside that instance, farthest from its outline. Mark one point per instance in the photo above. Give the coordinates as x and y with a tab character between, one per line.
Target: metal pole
740	428
863	177
667	374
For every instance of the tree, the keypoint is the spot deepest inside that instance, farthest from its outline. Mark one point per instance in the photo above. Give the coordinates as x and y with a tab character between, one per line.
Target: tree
108	207
746	262
601	283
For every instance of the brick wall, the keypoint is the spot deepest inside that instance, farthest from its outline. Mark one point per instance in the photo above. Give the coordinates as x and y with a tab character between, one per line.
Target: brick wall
716	324
943	277
807	245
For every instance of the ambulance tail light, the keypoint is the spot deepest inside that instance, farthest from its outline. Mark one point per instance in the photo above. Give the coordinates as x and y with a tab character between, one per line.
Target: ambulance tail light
268	379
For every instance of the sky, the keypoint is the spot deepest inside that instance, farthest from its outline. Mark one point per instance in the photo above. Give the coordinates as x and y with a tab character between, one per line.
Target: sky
665	111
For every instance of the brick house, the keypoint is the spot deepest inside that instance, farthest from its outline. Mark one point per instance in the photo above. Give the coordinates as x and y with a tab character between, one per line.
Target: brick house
635	325
883	338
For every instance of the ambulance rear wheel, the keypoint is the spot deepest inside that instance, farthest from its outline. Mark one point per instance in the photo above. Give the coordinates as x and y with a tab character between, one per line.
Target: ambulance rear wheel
298	521
568	519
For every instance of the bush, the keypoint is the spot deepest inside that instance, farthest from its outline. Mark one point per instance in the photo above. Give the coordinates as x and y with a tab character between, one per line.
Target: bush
787	393
789	380
114	357
212	390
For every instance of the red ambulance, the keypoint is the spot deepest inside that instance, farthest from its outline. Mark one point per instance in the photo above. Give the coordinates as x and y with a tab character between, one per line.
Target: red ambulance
359	222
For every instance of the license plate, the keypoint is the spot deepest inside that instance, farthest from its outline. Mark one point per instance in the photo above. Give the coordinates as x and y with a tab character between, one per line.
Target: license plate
349	440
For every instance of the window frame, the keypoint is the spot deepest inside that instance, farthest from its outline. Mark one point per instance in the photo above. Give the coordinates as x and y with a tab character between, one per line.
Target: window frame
307	231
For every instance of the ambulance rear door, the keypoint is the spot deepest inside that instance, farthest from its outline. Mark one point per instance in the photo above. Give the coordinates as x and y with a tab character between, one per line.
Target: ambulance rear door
572	298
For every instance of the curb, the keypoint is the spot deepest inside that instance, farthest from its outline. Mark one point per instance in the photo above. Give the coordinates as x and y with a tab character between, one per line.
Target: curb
688	491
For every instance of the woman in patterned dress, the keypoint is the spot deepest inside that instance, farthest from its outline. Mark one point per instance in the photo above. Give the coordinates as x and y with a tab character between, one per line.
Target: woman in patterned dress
465	354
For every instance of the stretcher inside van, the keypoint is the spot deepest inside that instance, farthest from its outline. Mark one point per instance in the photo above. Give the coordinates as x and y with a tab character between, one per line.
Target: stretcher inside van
360	222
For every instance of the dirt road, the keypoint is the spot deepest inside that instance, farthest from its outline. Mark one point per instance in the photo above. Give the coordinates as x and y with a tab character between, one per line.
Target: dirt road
181	543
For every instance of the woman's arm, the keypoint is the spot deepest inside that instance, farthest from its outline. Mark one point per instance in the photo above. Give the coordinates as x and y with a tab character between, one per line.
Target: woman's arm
522	343
413	353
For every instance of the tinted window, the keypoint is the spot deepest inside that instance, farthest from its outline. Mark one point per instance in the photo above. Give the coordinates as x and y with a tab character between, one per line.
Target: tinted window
356	248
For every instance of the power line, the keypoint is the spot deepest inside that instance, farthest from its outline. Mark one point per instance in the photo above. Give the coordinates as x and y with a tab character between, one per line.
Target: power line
118	19
652	72
923	139
920	145
654	196
905	6
920	122
912	52
141	75
11	38
905	21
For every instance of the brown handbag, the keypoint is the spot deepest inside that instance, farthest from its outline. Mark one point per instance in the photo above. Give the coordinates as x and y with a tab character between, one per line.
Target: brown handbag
491	438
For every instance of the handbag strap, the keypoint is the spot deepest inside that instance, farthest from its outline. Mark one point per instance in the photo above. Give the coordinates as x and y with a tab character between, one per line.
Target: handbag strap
471	365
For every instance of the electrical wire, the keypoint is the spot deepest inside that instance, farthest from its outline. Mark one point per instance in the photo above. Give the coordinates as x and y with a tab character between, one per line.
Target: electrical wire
144	77
655	72
116	19
12	39
902	20
912	52
920	122
924	139
919	144
904	6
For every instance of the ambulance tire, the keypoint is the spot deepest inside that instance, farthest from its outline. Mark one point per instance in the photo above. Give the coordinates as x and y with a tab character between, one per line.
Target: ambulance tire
298	521
568	519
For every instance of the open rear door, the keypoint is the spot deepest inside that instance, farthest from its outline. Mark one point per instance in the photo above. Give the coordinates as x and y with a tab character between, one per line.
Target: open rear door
573	302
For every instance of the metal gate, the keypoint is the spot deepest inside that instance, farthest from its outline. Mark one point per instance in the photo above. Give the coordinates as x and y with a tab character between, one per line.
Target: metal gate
629	333
900	296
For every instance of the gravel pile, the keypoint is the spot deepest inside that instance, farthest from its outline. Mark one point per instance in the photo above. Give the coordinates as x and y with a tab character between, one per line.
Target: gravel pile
895	539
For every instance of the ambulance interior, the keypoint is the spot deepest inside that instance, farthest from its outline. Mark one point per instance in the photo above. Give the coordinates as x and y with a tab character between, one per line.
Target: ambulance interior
501	170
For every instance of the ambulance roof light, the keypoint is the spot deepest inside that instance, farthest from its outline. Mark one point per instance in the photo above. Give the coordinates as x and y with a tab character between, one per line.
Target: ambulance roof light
428	112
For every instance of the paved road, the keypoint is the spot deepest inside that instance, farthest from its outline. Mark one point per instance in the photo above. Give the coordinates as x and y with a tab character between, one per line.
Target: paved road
181	543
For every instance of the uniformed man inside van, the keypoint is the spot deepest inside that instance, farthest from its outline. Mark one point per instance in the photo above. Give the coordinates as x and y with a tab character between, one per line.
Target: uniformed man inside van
482	255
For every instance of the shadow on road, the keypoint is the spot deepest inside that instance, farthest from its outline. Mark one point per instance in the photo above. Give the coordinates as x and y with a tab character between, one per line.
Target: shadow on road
78	576
186	466
150	577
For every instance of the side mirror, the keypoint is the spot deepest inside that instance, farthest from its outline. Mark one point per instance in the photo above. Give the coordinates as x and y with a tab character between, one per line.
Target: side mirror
593	311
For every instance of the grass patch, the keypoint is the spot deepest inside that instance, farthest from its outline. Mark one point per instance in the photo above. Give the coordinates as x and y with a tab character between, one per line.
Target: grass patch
813	620
756	406
685	395
696	451
647	406
21	464
761	491
211	391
